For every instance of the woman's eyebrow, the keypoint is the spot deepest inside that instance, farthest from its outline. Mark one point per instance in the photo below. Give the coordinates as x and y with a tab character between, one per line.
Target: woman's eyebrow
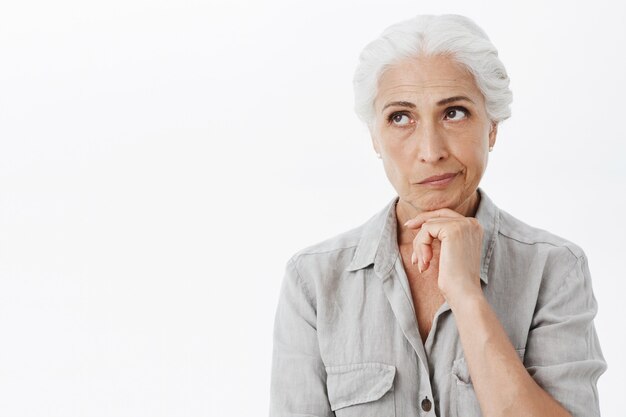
439	103
400	103
453	99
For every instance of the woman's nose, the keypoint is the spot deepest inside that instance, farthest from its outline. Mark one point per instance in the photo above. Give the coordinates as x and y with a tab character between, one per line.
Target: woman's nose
431	144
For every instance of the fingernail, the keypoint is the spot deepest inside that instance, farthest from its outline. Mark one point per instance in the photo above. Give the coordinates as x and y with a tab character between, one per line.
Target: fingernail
420	267
407	222
413	258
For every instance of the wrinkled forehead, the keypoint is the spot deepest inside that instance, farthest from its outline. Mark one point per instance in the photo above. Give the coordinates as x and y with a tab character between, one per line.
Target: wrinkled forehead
426	79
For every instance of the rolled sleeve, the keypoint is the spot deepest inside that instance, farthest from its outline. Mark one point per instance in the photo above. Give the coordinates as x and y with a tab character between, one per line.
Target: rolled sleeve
563	352
298	381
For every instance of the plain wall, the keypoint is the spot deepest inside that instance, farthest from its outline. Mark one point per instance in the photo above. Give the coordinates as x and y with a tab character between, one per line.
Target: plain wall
160	161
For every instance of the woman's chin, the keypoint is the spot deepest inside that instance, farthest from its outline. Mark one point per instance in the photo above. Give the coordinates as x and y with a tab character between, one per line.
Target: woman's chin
429	201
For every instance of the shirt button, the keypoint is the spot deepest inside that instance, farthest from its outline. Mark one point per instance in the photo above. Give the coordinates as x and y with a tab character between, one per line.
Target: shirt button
426	404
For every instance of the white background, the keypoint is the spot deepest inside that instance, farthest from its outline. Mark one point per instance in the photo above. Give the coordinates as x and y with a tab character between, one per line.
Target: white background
161	160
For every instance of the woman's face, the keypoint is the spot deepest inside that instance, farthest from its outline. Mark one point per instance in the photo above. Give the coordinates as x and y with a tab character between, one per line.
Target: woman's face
431	121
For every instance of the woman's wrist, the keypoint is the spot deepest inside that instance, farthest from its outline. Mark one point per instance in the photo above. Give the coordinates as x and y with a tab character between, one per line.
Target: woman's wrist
465	299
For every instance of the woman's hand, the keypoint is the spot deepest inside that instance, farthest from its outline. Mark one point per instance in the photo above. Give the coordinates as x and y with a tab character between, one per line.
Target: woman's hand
459	257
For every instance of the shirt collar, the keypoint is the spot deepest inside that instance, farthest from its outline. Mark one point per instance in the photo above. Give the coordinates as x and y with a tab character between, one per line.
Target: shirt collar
379	246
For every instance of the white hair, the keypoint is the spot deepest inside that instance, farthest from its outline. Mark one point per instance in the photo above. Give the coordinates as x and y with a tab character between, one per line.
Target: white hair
428	35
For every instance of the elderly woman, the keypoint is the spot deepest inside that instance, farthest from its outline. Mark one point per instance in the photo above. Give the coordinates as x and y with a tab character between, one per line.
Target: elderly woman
441	304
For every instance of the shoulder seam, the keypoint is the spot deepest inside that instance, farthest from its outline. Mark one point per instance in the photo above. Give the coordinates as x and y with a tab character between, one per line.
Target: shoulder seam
300	280
569	271
539	242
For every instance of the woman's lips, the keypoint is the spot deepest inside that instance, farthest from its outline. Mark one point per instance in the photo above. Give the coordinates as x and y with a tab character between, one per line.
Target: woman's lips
444	179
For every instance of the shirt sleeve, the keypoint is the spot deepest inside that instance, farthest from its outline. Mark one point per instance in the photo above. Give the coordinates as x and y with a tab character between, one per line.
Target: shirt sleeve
298	381
562	351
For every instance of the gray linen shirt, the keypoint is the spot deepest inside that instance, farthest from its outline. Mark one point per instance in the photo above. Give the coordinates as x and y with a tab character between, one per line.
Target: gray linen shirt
346	340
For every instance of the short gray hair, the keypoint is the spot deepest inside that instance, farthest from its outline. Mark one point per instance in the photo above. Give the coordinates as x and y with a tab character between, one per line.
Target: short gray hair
427	35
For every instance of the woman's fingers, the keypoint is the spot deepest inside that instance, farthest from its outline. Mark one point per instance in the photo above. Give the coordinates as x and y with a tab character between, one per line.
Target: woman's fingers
422	247
429	225
430	230
459	254
421	218
422	243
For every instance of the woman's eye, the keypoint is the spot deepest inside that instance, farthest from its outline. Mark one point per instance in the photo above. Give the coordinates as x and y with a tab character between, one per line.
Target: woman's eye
456	113
400	119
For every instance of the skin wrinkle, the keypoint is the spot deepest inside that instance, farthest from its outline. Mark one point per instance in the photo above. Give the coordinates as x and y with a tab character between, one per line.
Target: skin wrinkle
432	146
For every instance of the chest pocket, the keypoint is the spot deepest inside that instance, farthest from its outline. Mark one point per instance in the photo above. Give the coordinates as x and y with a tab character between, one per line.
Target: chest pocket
464	401
361	389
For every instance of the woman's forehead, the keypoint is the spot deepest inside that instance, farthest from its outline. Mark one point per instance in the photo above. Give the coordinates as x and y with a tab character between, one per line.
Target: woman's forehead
426	78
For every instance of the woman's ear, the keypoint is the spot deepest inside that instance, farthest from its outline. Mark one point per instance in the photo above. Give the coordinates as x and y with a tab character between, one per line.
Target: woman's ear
492	134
